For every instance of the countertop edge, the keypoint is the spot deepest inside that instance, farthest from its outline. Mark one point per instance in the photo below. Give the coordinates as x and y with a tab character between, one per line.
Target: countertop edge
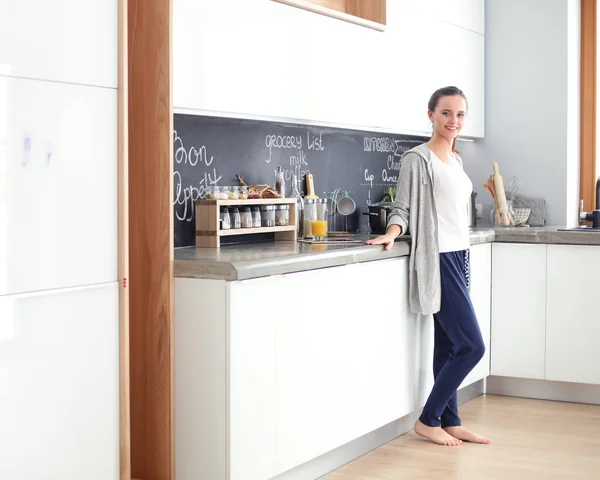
305	261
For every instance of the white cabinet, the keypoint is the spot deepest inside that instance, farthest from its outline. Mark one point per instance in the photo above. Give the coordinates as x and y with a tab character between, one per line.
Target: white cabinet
58	185
60	40
256	57
481	296
518	310
573	319
59	371
271	373
343	362
414	37
255	309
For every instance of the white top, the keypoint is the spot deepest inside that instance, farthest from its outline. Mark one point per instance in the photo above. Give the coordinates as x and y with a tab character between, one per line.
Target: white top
452	190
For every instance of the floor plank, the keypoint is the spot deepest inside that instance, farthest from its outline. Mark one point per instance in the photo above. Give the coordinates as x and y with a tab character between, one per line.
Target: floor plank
531	439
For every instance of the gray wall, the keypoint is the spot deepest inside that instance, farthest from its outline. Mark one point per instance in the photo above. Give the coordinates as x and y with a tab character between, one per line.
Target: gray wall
532	103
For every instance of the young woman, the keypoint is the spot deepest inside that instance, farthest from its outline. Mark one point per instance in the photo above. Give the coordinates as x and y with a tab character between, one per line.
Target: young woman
431	202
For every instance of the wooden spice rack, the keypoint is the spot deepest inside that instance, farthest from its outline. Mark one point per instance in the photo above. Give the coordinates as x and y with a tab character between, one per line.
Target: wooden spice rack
208	221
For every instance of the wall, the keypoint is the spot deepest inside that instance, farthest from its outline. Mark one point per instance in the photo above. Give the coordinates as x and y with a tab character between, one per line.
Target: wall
532	103
263	58
59	350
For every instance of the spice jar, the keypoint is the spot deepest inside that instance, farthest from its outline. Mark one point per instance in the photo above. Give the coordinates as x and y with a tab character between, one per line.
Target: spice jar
267	215
225	222
246	217
220	193
282	215
234	217
243	193
211	193
256	217
233	193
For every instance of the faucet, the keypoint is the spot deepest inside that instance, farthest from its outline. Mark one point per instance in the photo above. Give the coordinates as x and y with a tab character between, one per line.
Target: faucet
594	216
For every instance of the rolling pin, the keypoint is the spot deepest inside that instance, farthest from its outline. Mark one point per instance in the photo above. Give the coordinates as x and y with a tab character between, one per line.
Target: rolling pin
500	195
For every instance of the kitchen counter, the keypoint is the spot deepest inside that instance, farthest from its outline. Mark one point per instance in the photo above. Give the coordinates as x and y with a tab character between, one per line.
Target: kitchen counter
241	262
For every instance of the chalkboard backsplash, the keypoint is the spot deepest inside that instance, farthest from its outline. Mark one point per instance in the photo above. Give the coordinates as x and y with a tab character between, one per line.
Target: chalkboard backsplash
212	150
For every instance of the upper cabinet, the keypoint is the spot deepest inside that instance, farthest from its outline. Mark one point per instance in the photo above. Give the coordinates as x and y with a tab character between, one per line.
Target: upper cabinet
61	40
266	58
429	54
467	14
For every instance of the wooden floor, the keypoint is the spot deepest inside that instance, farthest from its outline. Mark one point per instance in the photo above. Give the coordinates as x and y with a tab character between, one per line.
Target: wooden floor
531	440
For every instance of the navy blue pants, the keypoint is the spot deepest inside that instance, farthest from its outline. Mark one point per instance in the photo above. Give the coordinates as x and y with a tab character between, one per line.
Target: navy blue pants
458	342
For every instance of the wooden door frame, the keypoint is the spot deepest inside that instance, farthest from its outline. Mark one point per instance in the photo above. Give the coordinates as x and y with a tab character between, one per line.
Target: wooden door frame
588	98
150	238
145	240
123	246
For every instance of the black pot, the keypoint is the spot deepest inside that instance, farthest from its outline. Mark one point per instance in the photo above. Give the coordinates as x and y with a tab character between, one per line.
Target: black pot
378	215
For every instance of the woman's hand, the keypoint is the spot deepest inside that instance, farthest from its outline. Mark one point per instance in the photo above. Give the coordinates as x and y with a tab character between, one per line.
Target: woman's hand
388	239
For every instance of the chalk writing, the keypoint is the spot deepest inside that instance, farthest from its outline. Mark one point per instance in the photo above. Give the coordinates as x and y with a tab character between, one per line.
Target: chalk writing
379	144
390	174
282	141
315	143
185	196
369	177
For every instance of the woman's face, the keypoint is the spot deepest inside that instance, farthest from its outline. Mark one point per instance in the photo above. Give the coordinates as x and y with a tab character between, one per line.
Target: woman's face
449	116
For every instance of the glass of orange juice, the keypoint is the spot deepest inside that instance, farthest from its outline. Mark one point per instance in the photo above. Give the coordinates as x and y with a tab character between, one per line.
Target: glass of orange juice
319	226
319	229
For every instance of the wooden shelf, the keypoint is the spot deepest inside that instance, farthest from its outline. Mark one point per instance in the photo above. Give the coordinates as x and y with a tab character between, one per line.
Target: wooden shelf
248	202
208	219
246	231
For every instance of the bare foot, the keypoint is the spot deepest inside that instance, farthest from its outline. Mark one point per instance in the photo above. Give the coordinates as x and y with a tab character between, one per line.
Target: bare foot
436	435
467	435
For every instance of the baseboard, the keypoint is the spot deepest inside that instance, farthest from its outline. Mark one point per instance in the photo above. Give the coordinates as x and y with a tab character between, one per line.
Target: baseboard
543	390
333	460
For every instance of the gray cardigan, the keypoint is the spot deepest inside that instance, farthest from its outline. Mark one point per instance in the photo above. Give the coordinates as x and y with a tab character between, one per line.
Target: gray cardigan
414	210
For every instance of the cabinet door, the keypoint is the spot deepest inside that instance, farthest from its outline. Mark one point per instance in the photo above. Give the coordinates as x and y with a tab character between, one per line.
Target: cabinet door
481	296
345	357
573	319
518	310
59	371
62	41
52	182
413	36
255	306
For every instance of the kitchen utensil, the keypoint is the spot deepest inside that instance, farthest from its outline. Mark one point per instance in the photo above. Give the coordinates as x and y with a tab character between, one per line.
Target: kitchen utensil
345	207
513	188
500	195
310	187
332	206
378	214
491	189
